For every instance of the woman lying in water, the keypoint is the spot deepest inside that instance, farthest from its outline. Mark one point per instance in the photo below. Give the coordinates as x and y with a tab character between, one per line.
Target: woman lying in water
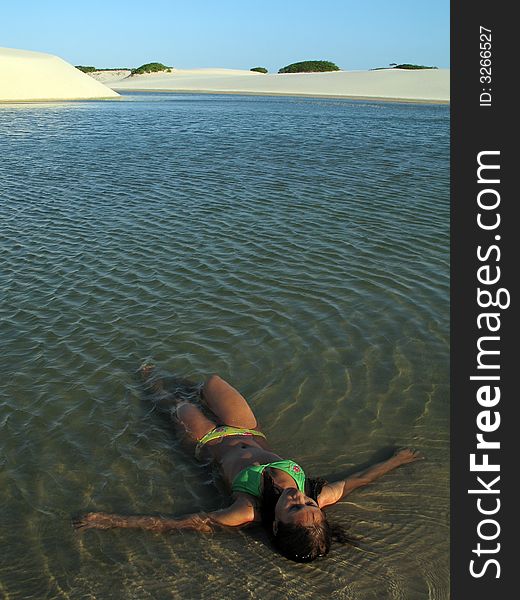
264	487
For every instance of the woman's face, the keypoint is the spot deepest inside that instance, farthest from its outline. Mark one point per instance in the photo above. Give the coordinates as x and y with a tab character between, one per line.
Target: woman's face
295	508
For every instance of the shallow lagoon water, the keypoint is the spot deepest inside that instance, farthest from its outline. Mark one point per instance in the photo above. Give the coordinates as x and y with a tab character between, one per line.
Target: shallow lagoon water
296	246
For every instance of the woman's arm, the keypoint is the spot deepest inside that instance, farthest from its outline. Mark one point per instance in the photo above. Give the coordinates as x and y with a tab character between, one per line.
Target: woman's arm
333	492
239	513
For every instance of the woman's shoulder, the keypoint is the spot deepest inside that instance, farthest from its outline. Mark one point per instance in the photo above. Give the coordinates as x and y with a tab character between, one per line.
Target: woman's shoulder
248	505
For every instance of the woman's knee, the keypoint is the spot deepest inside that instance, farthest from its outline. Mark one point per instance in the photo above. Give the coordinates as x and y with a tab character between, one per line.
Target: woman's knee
212	380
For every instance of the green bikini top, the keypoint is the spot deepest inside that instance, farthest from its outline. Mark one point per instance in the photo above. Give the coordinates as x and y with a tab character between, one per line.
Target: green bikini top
249	479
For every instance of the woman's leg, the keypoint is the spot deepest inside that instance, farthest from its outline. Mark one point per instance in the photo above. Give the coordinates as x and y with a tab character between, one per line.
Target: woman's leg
227	403
176	405
194	422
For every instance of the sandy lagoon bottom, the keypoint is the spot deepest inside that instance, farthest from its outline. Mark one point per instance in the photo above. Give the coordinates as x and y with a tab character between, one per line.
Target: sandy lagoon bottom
299	248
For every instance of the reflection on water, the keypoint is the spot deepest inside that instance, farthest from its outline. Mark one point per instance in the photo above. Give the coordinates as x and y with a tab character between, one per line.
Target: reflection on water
299	248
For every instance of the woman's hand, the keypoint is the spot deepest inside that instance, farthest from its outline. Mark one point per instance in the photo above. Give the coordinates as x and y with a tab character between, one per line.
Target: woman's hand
200	523
93	520
404	456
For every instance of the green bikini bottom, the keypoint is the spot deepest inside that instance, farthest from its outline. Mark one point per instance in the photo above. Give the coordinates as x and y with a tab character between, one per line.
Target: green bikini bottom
224	431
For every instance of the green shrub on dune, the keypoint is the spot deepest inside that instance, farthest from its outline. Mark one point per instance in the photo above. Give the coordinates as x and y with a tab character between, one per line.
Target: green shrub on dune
259	69
151	68
115	69
310	66
402	66
96	70
409	66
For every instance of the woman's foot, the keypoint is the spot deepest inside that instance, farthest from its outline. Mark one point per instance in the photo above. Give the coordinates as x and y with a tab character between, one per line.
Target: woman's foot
146	370
154	384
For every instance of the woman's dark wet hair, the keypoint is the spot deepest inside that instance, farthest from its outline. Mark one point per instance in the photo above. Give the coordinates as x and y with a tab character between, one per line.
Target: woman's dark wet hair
298	542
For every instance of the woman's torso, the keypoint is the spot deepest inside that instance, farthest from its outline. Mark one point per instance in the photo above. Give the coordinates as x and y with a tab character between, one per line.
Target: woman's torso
234	453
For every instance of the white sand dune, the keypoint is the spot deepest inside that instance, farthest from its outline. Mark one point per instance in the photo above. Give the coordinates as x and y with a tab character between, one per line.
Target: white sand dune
111	75
428	85
33	76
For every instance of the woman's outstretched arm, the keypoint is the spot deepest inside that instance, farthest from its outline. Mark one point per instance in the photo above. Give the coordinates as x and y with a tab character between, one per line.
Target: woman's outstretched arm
239	513
333	492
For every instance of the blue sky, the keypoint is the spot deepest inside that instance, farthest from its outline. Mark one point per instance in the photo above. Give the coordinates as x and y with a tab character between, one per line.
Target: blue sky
236	34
